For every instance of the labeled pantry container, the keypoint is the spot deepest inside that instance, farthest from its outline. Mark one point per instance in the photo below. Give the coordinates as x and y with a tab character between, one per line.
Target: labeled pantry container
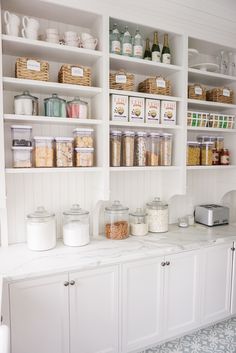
55	106
64	151
168	113
138	222
43	151
157	216
115	148
152	111
116	221
26	104
136	109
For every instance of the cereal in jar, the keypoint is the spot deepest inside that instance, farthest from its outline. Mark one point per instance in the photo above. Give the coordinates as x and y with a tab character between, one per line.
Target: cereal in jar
84	157
43	151
84	137
115	148
193	153
64	151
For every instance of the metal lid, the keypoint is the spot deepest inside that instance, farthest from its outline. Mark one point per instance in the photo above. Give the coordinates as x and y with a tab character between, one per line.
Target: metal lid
75	210
220	137
116	207
139	213
157	204
165	134
54	96
22	127
203	137
26	95
77	100
40	213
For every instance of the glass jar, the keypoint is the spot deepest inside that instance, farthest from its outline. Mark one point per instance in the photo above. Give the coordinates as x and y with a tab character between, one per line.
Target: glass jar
138	222
224	156
77	109
206	153
153	149
128	148
140	149
117	221
25	104
76	226
64	151
84	137
55	106
43	151
219	144
193	153
157	216
41	230
115	148
166	149
21	135
84	157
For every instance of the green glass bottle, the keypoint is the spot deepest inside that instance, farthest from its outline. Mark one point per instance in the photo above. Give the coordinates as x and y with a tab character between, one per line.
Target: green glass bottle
147	53
156	53
166	55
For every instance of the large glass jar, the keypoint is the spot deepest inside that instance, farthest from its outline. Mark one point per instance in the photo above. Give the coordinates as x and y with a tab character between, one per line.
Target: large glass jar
157	216
128	148
140	148
76	226
55	106
77	109
207	153
153	152
193	153
166	149
115	148
117	221
25	104
138	222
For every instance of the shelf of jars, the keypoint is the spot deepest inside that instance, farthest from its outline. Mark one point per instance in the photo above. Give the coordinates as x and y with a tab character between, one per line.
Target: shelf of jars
35	119
145	168
53	170
143	125
211	129
211	167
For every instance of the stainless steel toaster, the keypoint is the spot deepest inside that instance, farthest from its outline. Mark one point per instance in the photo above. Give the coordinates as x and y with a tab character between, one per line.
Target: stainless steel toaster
212	215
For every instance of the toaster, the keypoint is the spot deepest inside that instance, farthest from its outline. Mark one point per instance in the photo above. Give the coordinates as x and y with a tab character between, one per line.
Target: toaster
212	215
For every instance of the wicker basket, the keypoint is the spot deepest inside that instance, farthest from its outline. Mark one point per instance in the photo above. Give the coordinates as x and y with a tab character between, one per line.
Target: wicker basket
155	85
32	69
122	80
196	91
75	74
221	95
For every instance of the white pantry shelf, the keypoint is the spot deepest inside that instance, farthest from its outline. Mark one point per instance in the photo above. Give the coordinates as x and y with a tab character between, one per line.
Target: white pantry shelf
52	170
18	46
199	104
145	95
19	84
210	129
144	125
145	169
211	167
209	78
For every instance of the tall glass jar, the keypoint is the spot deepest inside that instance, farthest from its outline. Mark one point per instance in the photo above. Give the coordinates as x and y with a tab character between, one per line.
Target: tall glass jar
55	106
140	148
138	222
206	153
157	216
128	148
166	149
26	104
115	148
117	221
153	149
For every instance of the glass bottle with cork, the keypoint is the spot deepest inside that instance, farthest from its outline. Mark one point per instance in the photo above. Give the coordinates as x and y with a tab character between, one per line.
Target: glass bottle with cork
156	53
166	55
147	53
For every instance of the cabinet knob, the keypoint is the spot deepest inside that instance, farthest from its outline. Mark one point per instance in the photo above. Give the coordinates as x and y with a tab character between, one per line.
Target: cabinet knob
72	283
163	264
66	283
167	263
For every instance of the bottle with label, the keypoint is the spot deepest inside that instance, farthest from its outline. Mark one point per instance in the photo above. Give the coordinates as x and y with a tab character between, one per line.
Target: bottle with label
147	53
138	45
156	53
127	43
166	55
115	40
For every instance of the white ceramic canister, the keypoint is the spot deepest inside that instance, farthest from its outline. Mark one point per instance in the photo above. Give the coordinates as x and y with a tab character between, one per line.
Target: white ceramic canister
157	216
41	230
76	226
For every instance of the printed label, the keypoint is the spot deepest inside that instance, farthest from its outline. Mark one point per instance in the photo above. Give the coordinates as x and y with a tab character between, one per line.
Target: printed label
138	51
33	65
115	47
198	91
127	49
160	83
166	58
77	71
226	92
156	56
121	79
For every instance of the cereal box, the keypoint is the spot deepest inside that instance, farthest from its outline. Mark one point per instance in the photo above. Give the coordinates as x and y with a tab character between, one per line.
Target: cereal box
168	112
152	111
119	107
136	109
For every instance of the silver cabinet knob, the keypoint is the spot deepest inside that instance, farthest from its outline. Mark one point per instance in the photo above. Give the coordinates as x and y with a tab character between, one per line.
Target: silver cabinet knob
167	263
163	264
72	283
66	283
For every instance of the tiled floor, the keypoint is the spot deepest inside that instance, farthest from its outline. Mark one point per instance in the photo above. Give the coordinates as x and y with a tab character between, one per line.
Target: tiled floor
219	338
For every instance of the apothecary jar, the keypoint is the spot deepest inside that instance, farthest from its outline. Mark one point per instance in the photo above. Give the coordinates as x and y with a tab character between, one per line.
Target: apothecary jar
138	222
157	216
116	221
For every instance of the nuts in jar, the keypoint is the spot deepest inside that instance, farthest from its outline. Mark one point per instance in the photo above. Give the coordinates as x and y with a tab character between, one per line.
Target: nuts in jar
193	153
117	230
116	221
84	157
83	138
44	153
64	151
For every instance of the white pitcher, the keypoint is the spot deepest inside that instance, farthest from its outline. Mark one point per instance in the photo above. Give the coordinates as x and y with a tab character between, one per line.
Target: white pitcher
12	24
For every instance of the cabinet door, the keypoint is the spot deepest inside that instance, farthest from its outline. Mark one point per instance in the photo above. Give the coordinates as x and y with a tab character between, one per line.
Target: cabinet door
216	274
233	295
94	311
39	313
142	294
182	292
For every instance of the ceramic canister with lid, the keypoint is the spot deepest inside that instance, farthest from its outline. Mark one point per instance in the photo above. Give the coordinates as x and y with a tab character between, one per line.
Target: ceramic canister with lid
157	216
76	226
138	222
26	104
41	230
117	221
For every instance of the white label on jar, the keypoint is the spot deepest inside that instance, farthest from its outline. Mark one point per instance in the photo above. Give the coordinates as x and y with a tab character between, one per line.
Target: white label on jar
121	79
160	83
226	92
166	58
115	47
77	71
156	56
127	49
138	51
198	91
33	65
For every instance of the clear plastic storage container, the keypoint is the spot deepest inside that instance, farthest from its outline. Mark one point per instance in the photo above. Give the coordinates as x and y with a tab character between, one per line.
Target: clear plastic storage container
140	148
21	135
207	153
138	222
193	153
219	143
22	157
117	221
77	109
64	151
128	148
43	152
25	104
55	106
153	149
166	149
84	137
84	157
115	148
157	216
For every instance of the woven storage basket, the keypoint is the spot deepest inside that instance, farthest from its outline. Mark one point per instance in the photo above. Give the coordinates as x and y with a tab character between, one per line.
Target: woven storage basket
75	74
155	85
221	95
122	80
32	69
197	91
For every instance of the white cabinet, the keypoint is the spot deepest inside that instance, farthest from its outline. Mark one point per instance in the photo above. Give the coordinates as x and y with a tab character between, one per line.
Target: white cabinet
216	287
39	315
233	294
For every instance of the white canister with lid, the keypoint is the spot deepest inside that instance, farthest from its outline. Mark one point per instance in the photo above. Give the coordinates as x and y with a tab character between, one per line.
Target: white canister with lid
76	226
41	230
157	216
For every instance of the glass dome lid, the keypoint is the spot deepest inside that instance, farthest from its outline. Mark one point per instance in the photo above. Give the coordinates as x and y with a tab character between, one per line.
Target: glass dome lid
157	204
116	207
75	210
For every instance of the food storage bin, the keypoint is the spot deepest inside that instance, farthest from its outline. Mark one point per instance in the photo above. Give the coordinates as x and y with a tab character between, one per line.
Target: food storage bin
41	230
166	149
219	143
25	104
206	153
84	157
128	148
157	216
193	153
77	109
84	137
21	135
76	226
140	148
55	106
153	149
115	148
64	151
43	151
117	221
22	157
138	222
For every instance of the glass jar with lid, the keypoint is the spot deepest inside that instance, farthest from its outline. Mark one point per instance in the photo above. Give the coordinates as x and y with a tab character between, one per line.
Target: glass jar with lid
77	109
117	221
115	148
193	153
153	149
207	153
138	222
76	226
128	148
166	149
157	216
140	149
55	106
26	104
41	230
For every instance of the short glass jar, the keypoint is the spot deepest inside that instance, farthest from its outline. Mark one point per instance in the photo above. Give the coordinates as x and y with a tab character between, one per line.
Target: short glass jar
157	216
128	148
138	222
140	149
55	106
153	149
26	104
116	221
166	149
193	153
77	109
115	148
206	153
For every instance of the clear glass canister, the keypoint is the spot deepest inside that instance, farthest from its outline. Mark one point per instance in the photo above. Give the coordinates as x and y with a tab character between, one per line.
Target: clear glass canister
128	148
64	151
193	153
115	148
153	149
166	149
41	230
43	151
77	109
207	153
117	221
76	226
25	104
157	216
140	148
138	222
55	106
